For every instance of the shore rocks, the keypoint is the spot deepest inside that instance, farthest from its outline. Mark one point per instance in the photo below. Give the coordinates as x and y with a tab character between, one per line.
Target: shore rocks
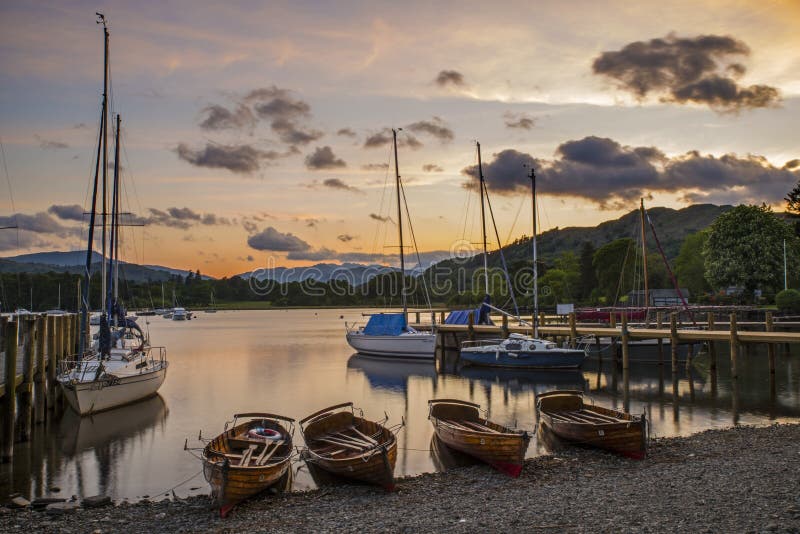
737	480
96	501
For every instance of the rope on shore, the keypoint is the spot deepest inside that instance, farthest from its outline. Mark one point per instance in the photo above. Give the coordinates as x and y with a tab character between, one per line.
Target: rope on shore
173	488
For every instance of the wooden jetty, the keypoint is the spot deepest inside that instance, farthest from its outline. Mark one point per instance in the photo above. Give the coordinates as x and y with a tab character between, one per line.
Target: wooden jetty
449	337
31	349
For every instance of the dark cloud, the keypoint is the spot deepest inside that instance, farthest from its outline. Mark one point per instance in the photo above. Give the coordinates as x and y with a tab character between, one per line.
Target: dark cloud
312	254
336	183
701	70
519	120
39	223
384	137
324	158
49	144
221	118
346	132
249	226
273	240
289	132
375	166
432	167
67	212
792	164
345	238
241	159
311	222
379	218
449	78
612	175
435	127
250	258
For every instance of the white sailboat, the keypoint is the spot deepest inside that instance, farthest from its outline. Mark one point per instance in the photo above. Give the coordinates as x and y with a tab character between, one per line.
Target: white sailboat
122	367
388	335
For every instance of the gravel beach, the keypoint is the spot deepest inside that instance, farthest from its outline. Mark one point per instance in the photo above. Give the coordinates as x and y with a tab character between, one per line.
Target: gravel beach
743	479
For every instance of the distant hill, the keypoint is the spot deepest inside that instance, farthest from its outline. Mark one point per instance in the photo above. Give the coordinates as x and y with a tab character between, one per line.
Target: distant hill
672	227
354	273
74	261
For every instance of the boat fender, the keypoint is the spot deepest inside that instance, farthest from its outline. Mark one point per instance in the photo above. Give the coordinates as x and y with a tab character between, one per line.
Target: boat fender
266	434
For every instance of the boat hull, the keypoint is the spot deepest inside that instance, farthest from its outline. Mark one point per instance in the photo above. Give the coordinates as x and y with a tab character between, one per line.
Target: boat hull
501	447
374	466
407	346
107	393
570	419
550	359
232	484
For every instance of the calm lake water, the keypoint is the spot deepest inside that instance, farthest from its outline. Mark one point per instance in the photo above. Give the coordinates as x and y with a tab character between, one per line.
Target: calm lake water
296	362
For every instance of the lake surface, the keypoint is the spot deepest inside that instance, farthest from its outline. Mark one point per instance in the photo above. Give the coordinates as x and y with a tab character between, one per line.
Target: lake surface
296	362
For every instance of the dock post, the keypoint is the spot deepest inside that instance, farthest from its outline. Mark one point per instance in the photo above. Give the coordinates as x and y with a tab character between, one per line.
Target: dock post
673	342
625	349
438	353
10	329
689	355
573	331
660	325
612	319
416	317
471	326
734	348
504	327
598	348
51	362
770	326
39	380
441	317
712	345
25	390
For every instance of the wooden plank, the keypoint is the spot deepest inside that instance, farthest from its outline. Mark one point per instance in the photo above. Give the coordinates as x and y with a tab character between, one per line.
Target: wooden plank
599	416
368	438
456	425
351	439
343	444
266	458
480	427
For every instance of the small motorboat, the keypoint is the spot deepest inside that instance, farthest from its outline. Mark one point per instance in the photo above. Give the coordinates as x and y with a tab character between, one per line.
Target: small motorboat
522	352
460	426
247	458
349	446
568	417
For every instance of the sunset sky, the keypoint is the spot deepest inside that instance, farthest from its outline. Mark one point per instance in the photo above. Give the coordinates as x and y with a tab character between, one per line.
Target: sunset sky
258	132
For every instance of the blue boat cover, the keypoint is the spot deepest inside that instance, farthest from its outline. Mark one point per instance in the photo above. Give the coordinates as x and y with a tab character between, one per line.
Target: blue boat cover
481	316
385	324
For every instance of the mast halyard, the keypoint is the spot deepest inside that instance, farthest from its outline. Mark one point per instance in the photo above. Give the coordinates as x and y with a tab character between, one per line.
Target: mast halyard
532	176
400	229
644	261
482	186
113	282
102	20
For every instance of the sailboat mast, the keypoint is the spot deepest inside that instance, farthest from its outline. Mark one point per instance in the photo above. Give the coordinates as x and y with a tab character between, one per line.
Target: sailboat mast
114	243
482	186
532	176
785	275
400	228
105	151
644	260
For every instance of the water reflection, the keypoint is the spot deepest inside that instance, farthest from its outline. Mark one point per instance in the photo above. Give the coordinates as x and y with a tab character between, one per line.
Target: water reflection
445	458
293	362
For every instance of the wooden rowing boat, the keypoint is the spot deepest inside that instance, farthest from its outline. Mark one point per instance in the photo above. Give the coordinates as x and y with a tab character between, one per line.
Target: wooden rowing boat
247	458
565	414
459	425
349	446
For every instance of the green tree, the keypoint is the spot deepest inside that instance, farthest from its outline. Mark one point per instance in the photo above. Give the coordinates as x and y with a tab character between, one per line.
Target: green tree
587	280
690	264
614	266
745	249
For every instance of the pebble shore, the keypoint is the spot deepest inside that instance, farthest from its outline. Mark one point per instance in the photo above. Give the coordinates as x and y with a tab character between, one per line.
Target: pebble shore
743	479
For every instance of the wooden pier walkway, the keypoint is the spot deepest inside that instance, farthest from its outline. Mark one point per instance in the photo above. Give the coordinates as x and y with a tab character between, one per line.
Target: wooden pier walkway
31	350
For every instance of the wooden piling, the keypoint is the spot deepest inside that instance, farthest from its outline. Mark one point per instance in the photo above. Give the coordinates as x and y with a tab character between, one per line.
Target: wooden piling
504	327
689	355
441	317
10	328
598	348
612	319
471	326
416	316
625	347
673	342
51	362
734	349
769	325
25	389
660	325
39	376
573	331
542	320
712	346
